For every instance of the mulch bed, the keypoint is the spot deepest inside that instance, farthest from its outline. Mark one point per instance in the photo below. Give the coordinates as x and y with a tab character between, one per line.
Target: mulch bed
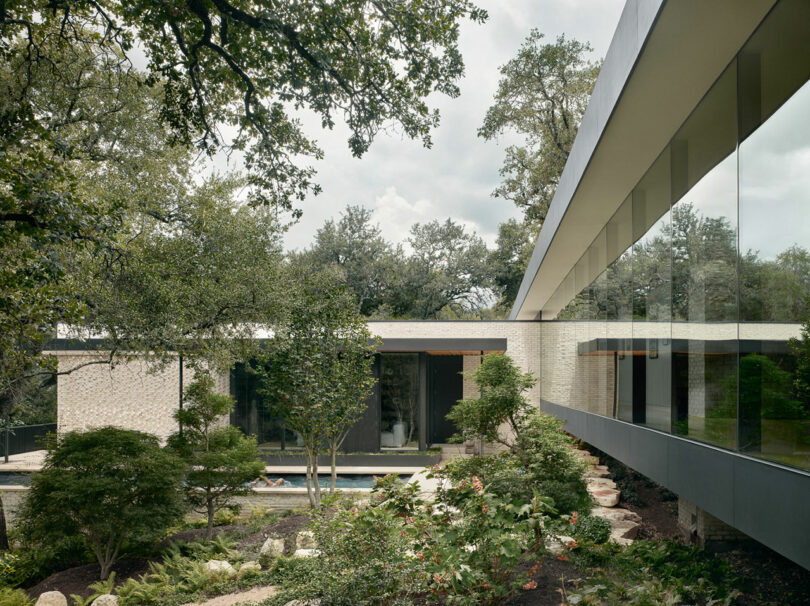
285	528
77	580
554	574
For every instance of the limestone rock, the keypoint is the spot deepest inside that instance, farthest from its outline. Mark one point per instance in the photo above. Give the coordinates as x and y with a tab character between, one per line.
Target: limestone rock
556	545
52	598
106	600
624	529
306	553
605	497
273	547
615	513
601	482
219	567
305	540
597	471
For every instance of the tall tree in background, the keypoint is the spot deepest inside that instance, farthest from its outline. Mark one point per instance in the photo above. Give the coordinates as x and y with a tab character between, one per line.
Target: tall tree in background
541	96
447	271
368	262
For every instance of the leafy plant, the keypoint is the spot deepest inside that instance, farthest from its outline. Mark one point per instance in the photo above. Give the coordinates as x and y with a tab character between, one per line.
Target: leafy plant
99	588
106	485
591	528
14	597
221	460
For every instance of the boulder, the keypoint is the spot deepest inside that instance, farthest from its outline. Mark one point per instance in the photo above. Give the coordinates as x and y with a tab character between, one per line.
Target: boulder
624	529
273	547
306	553
597	471
219	567
601	482
305	540
52	598
605	497
615	513
106	600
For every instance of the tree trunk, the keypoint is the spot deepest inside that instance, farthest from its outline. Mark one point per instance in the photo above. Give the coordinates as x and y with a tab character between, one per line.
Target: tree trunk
310	492
334	470
105	570
210	507
3	529
315	479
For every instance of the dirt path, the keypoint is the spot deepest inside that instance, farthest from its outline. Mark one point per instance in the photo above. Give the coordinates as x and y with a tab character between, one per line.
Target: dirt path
257	594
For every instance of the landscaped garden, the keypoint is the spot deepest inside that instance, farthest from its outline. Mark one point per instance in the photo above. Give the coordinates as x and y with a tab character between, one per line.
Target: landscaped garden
108	515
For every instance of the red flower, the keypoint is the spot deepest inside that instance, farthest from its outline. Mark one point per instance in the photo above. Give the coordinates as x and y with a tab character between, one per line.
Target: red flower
478	486
574	518
572	545
485	508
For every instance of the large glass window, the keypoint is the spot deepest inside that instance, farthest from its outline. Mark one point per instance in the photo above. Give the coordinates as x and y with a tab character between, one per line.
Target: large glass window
774	208
697	288
399	399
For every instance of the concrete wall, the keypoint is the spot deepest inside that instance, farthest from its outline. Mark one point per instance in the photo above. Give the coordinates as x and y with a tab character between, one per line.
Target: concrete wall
128	395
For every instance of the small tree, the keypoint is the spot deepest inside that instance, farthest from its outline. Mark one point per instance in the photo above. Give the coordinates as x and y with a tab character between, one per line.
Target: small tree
317	373
107	485
502	402
221	459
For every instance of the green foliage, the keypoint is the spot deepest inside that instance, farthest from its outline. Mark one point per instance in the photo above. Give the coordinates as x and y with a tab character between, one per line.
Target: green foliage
539	460
542	95
14	597
591	528
317	372
26	567
106	485
501	386
98	588
800	347
508	261
221	460
652	572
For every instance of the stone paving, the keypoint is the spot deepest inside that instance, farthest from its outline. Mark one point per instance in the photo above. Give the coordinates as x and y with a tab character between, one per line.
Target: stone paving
624	524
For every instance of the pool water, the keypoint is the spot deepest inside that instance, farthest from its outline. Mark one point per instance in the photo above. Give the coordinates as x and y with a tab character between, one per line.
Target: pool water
12	478
342	481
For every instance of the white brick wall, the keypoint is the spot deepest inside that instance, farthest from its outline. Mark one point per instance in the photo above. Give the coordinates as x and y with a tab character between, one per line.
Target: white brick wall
127	395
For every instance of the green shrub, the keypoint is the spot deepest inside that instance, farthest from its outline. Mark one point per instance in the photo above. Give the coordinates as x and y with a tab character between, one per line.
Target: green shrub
26	567
548	468
591	528
107	486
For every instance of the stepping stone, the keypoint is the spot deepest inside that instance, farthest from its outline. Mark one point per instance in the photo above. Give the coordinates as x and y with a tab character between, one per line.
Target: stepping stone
615	514
601	482
597	471
252	596
606	497
624	529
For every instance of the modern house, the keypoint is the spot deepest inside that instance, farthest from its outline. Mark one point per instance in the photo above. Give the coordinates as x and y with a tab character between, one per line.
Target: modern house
417	366
671	272
674	264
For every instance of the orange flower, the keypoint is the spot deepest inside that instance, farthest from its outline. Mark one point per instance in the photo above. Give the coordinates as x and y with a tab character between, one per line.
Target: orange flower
485	508
437	578
534	569
572	545
408	520
530	585
574	518
562	557
478	486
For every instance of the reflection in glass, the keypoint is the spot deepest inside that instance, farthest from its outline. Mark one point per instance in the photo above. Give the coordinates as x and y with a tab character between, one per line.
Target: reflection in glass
399	397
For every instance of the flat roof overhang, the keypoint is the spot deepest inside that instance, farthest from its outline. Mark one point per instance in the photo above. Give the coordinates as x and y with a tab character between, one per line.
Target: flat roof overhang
664	57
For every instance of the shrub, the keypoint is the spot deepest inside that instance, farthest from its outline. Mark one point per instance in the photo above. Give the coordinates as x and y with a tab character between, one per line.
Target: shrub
26	567
221	460
548	468
107	485
14	597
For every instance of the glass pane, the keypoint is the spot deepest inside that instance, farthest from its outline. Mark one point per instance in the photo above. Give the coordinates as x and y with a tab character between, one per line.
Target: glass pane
399	397
774	181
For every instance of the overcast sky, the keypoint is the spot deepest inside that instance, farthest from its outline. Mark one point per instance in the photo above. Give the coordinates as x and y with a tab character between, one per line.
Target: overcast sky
401	181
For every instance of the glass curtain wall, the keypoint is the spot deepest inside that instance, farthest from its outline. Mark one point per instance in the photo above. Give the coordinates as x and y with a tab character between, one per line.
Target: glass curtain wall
399	399
697	289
